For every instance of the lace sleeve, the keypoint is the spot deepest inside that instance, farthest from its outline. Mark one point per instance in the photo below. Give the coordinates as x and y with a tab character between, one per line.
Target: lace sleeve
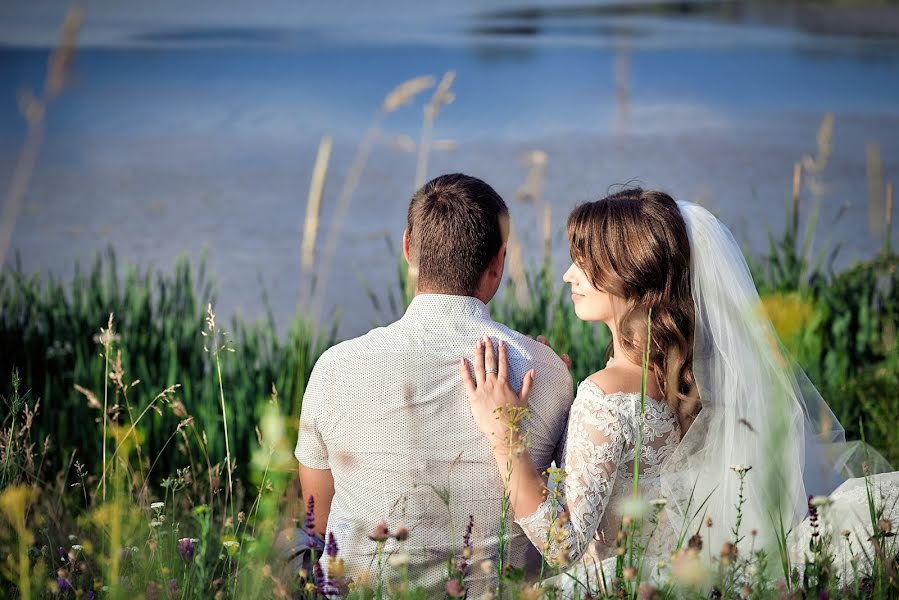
597	435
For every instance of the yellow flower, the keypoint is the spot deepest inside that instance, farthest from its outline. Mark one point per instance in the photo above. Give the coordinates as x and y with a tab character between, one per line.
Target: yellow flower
789	313
14	503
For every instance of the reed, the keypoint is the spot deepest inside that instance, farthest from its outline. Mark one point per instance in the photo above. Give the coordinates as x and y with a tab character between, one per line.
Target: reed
401	95
313	204
34	109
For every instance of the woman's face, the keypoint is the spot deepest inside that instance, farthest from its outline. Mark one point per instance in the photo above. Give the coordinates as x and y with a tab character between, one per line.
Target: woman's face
591	304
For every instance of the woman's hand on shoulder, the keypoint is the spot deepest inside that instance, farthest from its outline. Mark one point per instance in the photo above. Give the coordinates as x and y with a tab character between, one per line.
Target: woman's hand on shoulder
493	401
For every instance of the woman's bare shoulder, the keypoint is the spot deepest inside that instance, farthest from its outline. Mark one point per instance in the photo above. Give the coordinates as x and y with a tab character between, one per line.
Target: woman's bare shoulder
613	380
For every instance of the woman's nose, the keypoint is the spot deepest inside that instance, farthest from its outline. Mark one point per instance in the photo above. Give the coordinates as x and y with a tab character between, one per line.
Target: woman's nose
568	277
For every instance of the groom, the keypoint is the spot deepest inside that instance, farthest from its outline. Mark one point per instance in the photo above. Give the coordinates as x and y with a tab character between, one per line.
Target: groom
386	432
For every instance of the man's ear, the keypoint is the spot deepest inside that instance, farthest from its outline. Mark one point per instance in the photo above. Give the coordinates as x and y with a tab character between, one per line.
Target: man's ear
497	265
406	246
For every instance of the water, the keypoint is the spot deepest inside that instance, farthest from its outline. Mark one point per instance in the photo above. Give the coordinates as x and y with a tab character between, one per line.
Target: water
195	132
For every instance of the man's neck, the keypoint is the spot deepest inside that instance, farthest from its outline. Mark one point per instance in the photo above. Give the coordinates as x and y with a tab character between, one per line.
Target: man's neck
482	297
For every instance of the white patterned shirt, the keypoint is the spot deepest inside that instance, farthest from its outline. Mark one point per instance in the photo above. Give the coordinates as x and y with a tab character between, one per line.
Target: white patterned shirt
387	413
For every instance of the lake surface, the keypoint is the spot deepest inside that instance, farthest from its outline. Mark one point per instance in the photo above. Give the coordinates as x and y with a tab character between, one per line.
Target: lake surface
179	135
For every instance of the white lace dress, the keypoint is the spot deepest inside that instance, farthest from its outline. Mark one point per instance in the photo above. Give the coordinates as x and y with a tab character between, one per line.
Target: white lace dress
598	464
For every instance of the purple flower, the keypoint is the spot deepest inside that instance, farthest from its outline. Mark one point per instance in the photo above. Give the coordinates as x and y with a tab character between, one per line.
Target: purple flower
331	548
454	589
173	587
63	585
310	518
467	547
187	548
813	519
318	578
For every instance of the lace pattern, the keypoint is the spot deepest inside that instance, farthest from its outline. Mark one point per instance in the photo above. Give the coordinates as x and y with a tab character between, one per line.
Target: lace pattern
598	463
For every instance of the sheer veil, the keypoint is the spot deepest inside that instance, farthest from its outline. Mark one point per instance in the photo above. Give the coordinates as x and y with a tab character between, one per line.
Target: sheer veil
759	410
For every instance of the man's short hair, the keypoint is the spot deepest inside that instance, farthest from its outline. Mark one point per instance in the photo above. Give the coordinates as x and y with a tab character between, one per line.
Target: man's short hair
454	228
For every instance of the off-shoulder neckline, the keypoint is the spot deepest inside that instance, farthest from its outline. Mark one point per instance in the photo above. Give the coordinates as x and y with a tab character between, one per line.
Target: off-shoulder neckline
602	392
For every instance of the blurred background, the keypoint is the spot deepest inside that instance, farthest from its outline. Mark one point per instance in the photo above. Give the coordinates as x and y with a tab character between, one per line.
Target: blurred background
159	158
193	125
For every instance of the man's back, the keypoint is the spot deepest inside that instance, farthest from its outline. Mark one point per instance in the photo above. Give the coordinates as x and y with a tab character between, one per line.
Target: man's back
388	415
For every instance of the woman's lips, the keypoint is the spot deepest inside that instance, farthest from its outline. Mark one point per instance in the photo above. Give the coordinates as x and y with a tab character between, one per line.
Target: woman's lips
575	297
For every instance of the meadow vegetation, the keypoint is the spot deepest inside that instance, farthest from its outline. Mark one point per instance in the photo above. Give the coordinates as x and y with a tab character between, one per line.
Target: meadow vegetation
145	452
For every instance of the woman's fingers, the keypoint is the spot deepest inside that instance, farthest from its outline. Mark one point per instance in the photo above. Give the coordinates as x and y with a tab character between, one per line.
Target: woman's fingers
467	379
489	356
479	362
526	386
502	367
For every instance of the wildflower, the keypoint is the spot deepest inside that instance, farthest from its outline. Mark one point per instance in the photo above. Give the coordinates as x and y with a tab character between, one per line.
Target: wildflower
380	533
728	552
77	547
155	523
331	547
885	526
659	502
398	560
157	506
647	592
152	591
466	542
487	566
708	522
187	548
336	569
318	578
820	501
454	589
745	591
533	592
634	507
741	469
63	585
845	533
173	587
401	533
629	573
309	522
695	542
688	570
231	546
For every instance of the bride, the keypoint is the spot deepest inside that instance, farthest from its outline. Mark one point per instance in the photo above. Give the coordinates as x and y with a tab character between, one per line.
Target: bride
724	431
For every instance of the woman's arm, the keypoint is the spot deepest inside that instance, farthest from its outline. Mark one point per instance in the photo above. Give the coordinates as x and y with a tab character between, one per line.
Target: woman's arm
561	527
497	410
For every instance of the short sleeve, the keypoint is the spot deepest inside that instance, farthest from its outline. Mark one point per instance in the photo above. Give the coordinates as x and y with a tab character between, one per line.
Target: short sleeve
311	450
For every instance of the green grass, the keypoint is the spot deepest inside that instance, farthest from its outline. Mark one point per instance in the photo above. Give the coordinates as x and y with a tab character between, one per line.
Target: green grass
840	326
49	332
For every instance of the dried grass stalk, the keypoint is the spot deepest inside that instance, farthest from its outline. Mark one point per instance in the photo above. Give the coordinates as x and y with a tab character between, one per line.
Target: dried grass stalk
313	206
34	110
875	189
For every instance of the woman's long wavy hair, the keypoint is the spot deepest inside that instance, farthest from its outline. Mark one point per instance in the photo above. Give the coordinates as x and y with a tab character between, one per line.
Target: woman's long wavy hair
634	245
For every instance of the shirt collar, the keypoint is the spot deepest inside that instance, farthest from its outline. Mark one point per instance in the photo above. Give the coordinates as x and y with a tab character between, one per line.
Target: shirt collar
429	305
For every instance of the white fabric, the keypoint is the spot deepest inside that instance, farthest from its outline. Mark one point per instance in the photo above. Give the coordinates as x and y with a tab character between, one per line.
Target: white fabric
758	408
599	464
387	413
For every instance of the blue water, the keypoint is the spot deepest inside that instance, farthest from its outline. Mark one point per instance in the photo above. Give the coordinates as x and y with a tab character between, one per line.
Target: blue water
171	139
